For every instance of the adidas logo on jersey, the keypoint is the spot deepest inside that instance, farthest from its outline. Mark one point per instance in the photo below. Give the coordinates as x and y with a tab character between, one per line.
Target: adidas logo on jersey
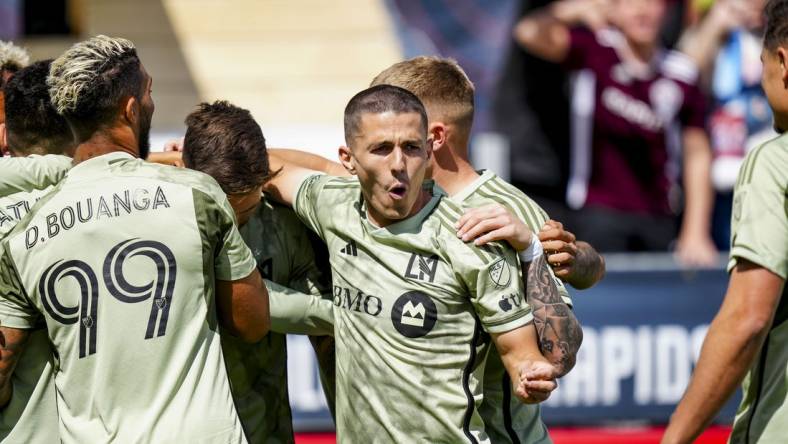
350	249
413	315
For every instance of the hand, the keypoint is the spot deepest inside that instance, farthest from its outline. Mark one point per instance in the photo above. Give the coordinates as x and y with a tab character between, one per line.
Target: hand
559	245
537	381
174	145
173	158
594	14
726	15
696	251
493	223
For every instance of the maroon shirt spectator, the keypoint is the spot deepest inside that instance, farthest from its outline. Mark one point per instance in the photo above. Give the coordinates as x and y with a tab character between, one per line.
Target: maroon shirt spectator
626	143
637	112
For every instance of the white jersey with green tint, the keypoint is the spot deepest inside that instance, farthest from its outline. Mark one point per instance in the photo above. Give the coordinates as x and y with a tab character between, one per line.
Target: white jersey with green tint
413	306
31	415
34	172
507	419
258	372
759	234
120	262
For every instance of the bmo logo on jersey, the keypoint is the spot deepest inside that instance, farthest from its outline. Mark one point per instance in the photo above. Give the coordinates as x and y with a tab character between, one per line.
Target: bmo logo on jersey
414	314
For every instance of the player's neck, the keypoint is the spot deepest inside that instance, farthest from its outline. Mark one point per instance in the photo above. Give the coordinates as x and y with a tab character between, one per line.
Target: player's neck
451	171
105	142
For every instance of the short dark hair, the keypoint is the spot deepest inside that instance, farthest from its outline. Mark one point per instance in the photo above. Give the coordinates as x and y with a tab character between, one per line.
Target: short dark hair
776	32
33	125
224	141
88	81
380	99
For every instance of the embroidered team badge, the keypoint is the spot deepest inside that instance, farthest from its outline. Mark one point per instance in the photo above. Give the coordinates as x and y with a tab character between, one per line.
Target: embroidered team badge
500	273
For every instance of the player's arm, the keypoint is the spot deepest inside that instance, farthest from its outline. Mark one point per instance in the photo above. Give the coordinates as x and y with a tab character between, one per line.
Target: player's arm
294	312
243	307
307	160
695	246
19	174
12	344
573	261
559	332
545	32
533	376
284	185
734	340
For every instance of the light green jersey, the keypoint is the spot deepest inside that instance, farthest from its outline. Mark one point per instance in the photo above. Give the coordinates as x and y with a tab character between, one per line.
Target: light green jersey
507	419
31	414
413	306
258	372
120	261
759	234
34	172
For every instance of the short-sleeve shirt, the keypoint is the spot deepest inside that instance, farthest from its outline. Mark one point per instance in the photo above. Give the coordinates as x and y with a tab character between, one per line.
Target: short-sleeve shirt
413	306
626	125
31	414
120	262
284	254
759	234
506	418
34	172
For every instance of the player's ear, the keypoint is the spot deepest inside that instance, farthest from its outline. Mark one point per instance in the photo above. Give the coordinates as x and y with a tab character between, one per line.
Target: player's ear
3	139
437	133
782	57
347	160
131	110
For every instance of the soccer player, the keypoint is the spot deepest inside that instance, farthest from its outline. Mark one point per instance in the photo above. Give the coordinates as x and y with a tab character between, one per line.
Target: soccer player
32	126
637	112
12	59
748	339
415	307
132	308
447	94
226	143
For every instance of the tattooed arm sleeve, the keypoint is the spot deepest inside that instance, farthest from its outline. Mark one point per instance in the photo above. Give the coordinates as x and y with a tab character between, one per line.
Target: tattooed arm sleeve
560	334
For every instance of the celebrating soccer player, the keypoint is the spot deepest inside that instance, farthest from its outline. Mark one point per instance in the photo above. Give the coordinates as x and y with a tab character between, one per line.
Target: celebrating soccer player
415	307
226	143
747	339
130	305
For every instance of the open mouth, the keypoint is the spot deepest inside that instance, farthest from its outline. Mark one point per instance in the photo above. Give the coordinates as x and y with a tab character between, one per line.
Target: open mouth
398	192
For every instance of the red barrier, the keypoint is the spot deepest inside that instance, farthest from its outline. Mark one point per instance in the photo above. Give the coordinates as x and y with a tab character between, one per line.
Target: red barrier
586	435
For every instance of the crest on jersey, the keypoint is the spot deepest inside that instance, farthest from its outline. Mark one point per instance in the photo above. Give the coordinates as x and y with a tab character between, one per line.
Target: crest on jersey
414	314
422	268
737	204
500	273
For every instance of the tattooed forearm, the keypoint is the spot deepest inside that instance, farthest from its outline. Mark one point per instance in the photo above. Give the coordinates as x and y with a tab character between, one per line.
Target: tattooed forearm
12	344
559	332
588	268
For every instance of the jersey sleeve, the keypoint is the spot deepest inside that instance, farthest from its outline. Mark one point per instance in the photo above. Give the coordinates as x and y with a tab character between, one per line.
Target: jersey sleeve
693	109
582	44
234	259
293	312
16	310
25	174
759	223
307	203
497	292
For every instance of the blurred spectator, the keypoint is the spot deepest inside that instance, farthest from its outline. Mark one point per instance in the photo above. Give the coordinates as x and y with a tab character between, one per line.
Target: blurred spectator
726	45
634	105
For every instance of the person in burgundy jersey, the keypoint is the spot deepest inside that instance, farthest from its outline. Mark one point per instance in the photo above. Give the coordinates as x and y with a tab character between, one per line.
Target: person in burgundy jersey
638	120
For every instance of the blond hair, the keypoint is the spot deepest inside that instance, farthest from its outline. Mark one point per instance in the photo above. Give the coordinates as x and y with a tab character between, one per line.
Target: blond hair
75	73
12	57
440	83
